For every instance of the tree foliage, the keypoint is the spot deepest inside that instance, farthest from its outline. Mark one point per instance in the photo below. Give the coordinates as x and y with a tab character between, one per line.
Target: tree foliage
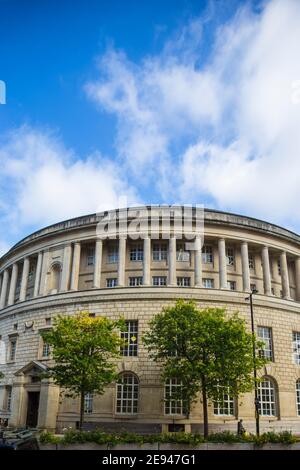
206	349
83	349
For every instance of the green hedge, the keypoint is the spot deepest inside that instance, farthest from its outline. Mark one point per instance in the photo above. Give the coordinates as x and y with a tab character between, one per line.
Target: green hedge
99	437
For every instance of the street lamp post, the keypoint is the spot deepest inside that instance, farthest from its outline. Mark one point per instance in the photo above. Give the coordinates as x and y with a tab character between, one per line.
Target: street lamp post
256	400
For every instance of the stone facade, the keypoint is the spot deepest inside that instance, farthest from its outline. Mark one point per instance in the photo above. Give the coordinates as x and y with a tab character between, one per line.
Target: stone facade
66	267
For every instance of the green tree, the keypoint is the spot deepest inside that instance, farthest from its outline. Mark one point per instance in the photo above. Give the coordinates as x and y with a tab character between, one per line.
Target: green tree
206	349
83	349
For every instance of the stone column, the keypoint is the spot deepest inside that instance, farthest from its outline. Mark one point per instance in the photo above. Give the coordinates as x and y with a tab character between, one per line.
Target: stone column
98	263
198	262
297	276
172	262
4	288
13	283
122	261
18	403
147	262
65	275
245	266
75	266
266	270
222	264
284	276
48	406
38	275
24	281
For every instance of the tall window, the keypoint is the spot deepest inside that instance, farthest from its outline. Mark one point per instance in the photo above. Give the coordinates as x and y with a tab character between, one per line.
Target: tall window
267	397
251	261
12	349
8	398
111	282
173	402
136	252
46	350
130	338
296	347
208	283
113	254
182	254
207	254
279	267
135	281
32	268
298	396
88	403
159	281
90	256
230	256
264	333
225	405
127	393
159	252
184	281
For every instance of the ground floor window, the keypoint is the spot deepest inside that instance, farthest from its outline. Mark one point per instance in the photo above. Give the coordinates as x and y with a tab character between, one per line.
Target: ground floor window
127	393
224	406
267	397
173	401
298	396
88	403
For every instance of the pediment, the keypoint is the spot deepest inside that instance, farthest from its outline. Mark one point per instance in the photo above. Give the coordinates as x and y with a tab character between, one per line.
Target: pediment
32	368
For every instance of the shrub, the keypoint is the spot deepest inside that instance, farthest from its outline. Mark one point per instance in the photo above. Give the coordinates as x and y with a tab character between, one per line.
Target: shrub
224	436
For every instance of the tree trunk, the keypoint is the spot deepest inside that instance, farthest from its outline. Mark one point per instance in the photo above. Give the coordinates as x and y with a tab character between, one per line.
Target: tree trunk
205	412
81	410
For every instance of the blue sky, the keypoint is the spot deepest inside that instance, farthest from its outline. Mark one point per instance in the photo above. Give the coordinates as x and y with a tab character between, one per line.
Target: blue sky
150	102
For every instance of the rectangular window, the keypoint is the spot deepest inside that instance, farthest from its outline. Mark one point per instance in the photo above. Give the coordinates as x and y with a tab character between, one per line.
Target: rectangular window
12	349
112	282
230	256
264	334
88	403
8	398
182	254
137	252
159	252
32	268
231	285
279	267
184	281
90	256
251	261
46	350
130	338
159	281
208	283
298	396
207	254
225	405
113	254
173	402
135	281
296	347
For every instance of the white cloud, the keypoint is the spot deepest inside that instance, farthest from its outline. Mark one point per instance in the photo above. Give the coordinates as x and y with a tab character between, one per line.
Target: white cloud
42	182
225	129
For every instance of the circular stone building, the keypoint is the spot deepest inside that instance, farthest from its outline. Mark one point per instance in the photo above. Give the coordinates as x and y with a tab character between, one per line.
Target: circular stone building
132	263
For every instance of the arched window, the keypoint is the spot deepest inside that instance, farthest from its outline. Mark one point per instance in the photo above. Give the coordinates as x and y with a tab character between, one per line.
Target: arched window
127	393
55	278
267	397
298	396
